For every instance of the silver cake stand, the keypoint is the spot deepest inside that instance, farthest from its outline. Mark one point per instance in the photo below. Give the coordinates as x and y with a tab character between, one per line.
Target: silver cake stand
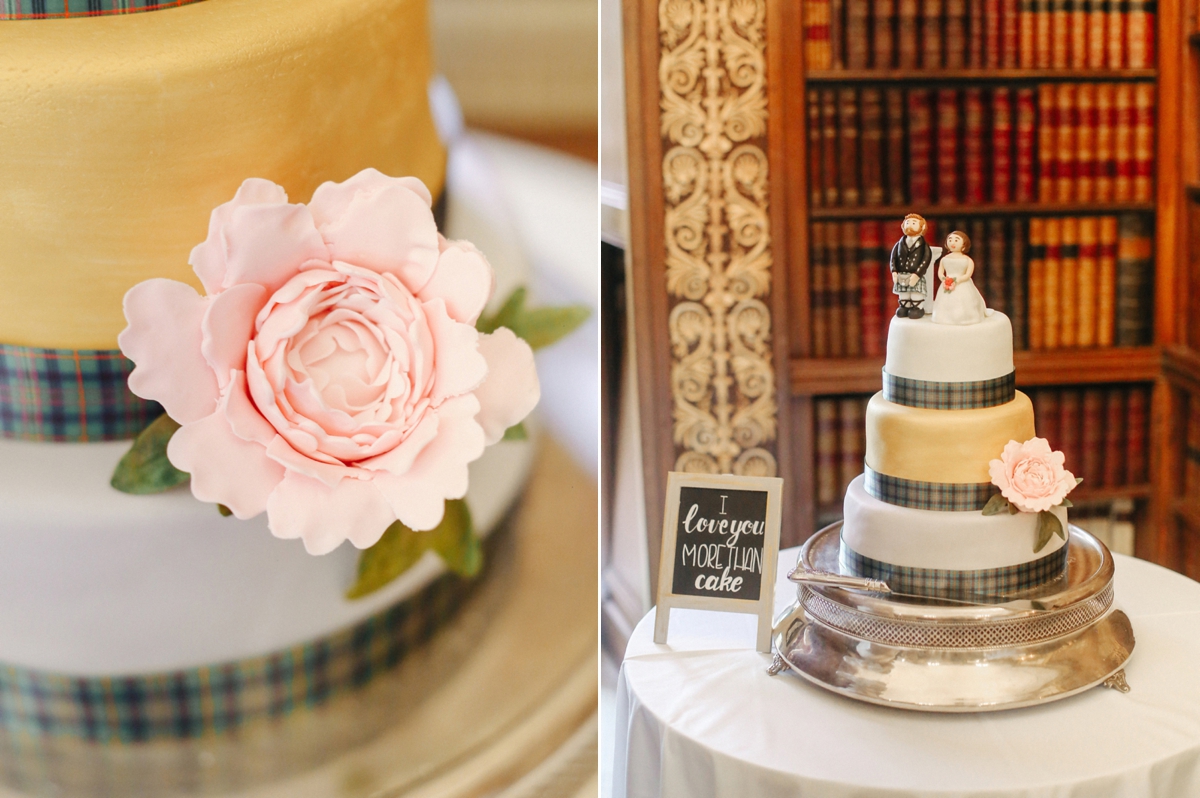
1035	647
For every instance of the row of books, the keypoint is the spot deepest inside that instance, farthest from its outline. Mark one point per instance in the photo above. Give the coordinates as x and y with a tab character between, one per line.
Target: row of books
1058	142
978	34
1102	431
1073	282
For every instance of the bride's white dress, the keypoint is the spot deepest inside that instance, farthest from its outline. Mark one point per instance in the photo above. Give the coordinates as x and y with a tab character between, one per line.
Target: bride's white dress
963	305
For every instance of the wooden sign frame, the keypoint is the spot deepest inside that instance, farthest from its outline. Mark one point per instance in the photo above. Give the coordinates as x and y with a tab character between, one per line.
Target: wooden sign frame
764	605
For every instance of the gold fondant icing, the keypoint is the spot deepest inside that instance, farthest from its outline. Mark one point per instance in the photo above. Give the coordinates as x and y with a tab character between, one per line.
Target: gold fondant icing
952	446
123	133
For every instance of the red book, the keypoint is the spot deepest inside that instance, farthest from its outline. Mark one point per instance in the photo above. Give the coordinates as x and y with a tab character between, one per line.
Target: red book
1085	142
931	34
871	284
1047	133
1114	438
1078	30
1070	415
1106	282
848	158
871	162
1068	303
1143	142
1002	145
1042	34
1017	285
837	51
1097	30
1123	146
816	184
858	39
836	303
1024	184
852	444
1037	284
1093	437
818	292
826	434
955	30
816	34
1139	35
1027	34
829	149
895	157
949	178
977	17
1066	126
1060	32
1115	36
1104	154
973	145
1010	38
1046	411
992	35
920	147
883	35
997	265
1137	465
851	292
908	38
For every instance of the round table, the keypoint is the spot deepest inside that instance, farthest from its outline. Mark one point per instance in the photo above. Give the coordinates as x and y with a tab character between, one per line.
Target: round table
700	717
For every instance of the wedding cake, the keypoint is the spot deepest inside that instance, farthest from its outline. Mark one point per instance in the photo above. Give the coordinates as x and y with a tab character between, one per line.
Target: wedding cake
958	498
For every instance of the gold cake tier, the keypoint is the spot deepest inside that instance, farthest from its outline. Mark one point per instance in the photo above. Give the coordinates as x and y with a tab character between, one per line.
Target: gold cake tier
951	446
124	132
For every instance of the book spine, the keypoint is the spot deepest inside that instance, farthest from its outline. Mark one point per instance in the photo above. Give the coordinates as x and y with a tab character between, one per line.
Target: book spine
1070	411
1139	34
931	34
1115	36
993	52
920	132
1106	282
1092	433
1114	438
1077	30
1060	31
858	41
1027	34
871	162
1104	155
1023	187
976	42
826	435
829	145
1068	304
884	35
1066	125
871	286
907	33
1096	23
1010	39
851	290
837	41
1017	284
1046	411
1042	38
1143	142
973	116
955	29
1036	296
1053	284
817	53
818	292
1089	251
816	157
948	174
1137	463
1123	147
1047	140
997	262
834	269
897	164
1002	144
848	185
1085	142
1134	264
852	443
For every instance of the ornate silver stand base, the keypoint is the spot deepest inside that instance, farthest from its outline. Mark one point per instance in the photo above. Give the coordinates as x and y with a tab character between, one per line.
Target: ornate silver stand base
1040	646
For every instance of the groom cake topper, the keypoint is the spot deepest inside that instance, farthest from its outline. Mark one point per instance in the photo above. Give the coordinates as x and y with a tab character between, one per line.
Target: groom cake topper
909	261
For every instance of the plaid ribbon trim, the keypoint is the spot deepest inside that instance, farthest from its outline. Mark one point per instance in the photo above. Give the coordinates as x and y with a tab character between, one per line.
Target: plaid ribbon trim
220	699
975	586
61	9
946	496
69	395
949	395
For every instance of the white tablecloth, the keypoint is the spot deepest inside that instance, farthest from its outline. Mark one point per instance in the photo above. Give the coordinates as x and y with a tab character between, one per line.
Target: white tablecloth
700	717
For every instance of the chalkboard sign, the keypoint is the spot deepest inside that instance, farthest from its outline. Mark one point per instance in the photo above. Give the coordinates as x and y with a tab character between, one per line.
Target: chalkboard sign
719	548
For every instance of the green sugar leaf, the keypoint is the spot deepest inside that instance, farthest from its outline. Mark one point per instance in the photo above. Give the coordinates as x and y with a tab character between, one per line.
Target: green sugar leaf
145	467
996	505
516	432
400	548
506	316
539	327
1066	503
224	511
1048	526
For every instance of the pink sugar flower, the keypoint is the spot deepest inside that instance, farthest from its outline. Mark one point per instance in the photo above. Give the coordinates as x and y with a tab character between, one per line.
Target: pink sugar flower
332	376
1031	476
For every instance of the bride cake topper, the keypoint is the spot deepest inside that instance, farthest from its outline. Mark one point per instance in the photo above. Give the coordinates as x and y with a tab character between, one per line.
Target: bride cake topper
958	301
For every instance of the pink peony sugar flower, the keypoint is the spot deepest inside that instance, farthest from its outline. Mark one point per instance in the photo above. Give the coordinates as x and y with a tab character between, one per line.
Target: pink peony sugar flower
332	375
1031	475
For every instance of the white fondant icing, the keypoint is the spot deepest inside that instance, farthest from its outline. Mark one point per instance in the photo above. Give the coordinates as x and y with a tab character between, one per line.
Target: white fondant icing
919	349
964	541
94	581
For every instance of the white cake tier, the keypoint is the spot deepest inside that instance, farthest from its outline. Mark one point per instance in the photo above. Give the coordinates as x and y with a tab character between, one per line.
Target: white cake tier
94	581
918	349
960	541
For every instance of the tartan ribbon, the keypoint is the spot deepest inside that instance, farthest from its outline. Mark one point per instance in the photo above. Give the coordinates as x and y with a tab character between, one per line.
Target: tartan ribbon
946	496
61	9
222	698
69	395
977	586
949	395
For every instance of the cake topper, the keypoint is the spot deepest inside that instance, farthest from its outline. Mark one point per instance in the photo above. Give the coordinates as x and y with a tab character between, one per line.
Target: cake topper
958	301
909	261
